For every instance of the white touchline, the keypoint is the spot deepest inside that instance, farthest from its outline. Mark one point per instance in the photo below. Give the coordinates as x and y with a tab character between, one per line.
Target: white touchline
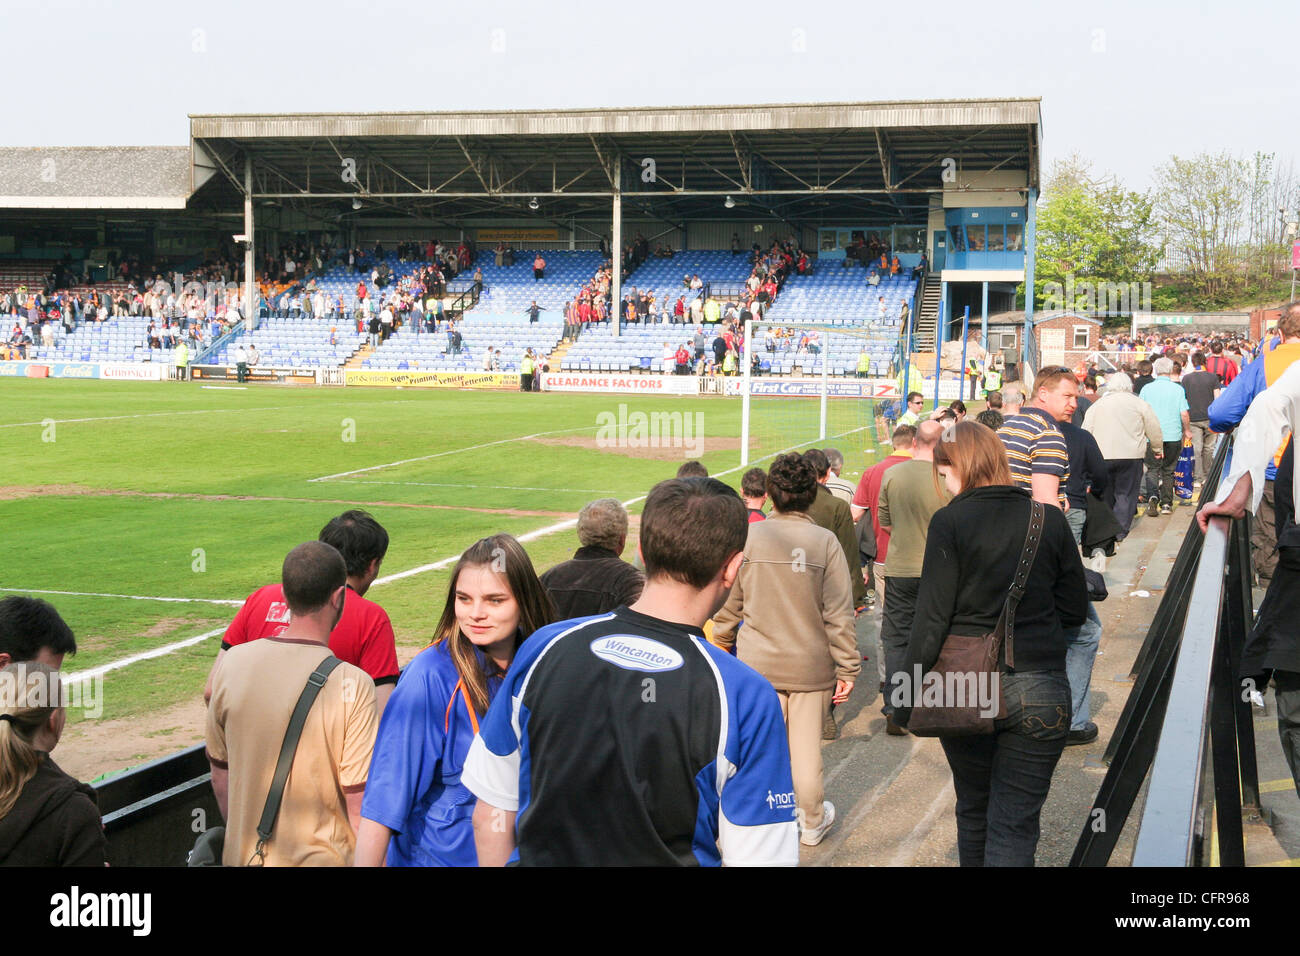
129	597
144	656
453	451
522	539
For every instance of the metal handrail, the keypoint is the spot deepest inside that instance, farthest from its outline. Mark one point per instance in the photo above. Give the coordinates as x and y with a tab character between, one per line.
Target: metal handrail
1167	832
1184	704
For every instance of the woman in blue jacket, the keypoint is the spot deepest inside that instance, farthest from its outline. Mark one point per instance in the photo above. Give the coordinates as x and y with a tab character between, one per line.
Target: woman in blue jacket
415	811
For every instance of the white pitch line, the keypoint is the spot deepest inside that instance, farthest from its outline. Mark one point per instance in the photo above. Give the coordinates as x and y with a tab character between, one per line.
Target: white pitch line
195	411
129	597
454	484
146	655
114	418
453	451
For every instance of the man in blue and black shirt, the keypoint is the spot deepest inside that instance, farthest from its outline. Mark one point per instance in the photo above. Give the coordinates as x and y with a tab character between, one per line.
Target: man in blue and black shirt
625	738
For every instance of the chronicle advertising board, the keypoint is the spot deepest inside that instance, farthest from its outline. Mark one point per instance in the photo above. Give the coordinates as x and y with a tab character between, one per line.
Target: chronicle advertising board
132	372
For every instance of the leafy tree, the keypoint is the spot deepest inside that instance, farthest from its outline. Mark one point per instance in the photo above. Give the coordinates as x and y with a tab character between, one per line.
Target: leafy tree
1091	231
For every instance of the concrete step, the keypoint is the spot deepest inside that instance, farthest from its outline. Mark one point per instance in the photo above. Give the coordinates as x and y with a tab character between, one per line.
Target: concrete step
359	356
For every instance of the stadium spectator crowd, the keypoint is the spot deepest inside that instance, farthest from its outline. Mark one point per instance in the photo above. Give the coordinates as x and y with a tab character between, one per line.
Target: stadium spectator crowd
747	639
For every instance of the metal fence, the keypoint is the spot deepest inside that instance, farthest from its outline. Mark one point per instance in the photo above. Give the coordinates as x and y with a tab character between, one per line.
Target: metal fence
1184	721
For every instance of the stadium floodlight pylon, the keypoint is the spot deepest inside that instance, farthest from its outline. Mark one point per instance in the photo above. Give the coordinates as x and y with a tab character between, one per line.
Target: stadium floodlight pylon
807	412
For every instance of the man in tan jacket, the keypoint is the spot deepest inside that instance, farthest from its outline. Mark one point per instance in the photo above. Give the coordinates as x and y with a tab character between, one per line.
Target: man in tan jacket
795	597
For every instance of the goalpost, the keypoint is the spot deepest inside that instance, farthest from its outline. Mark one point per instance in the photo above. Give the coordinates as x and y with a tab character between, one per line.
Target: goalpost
814	396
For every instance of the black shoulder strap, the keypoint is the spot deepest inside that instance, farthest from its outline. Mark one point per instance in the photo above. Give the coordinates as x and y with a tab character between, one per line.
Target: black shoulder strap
287	750
1033	535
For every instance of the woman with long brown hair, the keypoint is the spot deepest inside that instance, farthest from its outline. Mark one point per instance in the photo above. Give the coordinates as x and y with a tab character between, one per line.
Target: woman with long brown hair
416	812
47	818
973	549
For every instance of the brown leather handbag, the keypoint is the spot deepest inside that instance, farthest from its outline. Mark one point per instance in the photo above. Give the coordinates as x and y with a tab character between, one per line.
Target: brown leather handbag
968	671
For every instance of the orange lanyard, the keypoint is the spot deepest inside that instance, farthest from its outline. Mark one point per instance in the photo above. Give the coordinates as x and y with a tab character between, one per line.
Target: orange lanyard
464	692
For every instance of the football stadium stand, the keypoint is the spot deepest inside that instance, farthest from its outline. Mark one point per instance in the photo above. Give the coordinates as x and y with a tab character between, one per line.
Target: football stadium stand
665	276
509	290
296	343
840	297
408	348
123	339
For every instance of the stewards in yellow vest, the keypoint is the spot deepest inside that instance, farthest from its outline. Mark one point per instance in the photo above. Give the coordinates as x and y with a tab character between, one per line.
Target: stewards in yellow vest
914	383
182	356
992	380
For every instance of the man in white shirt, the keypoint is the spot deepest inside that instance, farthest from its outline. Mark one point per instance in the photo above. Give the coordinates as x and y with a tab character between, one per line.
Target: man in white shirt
1274	642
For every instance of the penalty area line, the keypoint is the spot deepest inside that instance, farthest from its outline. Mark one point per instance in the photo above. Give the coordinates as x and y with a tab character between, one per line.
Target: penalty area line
562	525
454	484
452	451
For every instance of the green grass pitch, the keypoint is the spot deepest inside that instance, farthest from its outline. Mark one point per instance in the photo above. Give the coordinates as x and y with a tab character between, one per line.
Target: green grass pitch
172	490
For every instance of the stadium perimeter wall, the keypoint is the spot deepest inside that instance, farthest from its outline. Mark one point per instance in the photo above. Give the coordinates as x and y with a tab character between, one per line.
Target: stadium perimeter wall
591	382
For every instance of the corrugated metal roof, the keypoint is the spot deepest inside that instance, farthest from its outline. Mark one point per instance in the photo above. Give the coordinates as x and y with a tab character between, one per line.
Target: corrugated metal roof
593	122
95	177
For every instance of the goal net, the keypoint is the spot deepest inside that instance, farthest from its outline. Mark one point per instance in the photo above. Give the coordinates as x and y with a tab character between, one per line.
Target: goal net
817	385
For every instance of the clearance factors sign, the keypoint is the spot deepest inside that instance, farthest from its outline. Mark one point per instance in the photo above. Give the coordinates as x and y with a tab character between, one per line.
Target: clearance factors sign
416	379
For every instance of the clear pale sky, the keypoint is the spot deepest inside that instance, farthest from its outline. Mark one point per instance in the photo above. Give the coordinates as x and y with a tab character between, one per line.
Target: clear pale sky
1123	84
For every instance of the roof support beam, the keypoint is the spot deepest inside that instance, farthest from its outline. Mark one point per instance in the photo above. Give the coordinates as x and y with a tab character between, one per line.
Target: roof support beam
886	158
475	164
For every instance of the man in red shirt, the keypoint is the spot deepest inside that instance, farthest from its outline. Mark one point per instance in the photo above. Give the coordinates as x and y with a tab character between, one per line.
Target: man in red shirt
1220	365
364	634
753	488
867	498
683	364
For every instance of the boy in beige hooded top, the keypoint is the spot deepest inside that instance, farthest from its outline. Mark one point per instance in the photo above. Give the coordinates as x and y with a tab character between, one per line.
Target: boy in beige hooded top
796	600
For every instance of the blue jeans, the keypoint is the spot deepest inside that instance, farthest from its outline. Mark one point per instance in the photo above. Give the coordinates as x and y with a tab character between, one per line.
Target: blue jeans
1002	778
1080	653
1081	646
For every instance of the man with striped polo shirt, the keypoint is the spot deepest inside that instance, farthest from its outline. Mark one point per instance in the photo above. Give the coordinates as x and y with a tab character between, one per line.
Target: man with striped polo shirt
1036	449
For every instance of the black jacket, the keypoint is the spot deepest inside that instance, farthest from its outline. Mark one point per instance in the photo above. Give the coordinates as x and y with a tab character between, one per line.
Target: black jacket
1273	643
54	823
971	552
594	581
1087	466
